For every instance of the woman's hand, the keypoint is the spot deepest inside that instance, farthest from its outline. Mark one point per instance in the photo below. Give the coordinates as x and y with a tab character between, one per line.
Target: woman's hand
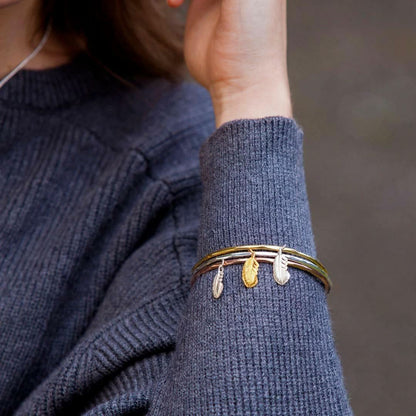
237	50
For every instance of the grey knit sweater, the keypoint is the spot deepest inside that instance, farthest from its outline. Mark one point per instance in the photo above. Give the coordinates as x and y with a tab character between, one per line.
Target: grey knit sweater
109	196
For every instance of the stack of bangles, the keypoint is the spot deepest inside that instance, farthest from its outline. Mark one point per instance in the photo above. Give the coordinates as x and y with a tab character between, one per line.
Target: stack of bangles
250	256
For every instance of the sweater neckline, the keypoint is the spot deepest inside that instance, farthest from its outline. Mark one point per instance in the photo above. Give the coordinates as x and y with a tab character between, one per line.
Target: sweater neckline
56	86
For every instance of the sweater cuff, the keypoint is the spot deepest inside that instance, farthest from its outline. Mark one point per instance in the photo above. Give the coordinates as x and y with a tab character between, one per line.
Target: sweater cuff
254	186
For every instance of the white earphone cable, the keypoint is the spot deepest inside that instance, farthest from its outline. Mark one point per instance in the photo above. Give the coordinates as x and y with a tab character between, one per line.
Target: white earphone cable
28	58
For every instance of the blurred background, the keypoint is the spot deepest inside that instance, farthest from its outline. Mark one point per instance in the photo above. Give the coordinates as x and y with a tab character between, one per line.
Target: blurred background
352	68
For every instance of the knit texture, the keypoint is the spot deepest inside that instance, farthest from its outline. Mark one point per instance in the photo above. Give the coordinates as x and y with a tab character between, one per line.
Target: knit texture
109	196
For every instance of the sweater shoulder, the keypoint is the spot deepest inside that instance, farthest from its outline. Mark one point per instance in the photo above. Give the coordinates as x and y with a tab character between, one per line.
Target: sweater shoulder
146	117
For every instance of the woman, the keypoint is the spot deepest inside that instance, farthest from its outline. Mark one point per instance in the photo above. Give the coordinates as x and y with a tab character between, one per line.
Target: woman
117	177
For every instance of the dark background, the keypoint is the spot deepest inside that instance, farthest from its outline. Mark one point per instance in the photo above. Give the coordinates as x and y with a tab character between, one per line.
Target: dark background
352	69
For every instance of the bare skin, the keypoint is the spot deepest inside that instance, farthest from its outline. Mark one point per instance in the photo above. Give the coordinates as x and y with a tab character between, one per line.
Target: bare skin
237	50
17	39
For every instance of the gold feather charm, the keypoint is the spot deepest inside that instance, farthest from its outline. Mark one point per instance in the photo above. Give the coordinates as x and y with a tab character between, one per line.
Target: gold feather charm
280	272
217	285
250	269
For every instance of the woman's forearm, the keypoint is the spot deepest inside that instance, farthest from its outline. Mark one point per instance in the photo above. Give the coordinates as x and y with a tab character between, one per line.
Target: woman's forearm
261	99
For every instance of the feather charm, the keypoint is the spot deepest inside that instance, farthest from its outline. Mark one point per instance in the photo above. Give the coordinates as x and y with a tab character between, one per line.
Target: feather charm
217	285
250	269
280	272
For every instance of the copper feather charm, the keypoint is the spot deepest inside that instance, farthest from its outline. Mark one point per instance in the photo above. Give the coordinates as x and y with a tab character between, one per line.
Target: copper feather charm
250	269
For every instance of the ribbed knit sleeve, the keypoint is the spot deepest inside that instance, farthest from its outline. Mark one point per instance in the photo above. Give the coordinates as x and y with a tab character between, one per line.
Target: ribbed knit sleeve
267	350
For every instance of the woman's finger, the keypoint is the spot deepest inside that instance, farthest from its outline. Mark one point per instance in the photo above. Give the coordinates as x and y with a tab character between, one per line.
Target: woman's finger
175	3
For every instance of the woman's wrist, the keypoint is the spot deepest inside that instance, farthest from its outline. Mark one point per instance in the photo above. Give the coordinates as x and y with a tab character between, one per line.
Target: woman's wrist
252	101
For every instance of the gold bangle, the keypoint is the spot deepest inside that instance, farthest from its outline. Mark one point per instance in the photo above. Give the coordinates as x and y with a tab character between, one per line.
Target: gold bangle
280	256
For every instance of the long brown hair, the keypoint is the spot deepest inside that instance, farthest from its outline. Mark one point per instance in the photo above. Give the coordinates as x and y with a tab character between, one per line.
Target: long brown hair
129	38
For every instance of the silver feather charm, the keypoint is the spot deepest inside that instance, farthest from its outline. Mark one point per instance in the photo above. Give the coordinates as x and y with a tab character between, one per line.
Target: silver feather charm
217	285
280	272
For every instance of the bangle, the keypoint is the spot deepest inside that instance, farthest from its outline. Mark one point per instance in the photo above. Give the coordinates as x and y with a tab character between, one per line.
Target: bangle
280	257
